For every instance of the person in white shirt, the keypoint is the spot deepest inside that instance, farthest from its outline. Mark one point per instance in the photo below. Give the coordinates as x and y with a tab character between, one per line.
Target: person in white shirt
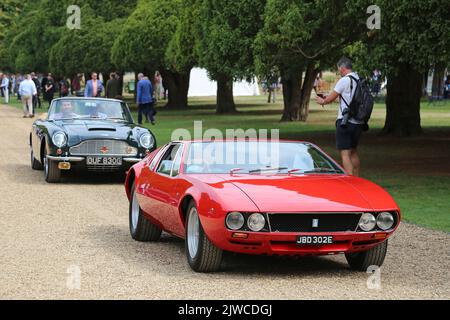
348	130
27	91
5	87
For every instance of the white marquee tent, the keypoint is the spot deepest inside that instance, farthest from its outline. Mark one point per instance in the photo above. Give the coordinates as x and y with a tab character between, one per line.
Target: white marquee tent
201	86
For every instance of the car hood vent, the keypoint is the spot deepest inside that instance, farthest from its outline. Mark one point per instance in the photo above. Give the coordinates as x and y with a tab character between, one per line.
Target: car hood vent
102	129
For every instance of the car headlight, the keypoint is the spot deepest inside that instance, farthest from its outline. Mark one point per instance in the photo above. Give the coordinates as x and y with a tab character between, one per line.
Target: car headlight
385	221
147	140
367	222
256	222
235	220
59	139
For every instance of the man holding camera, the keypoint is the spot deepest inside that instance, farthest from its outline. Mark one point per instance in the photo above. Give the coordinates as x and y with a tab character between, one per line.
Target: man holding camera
348	129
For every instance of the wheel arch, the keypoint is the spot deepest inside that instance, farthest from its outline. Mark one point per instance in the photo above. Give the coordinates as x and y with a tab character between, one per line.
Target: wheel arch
130	180
184	204
42	148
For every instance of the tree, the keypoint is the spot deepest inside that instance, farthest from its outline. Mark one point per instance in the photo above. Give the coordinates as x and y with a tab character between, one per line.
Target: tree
9	9
42	35
413	37
143	43
225	49
299	38
84	51
37	31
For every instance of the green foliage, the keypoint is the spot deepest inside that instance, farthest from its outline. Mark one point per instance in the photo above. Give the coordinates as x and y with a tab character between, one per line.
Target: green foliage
144	38
227	35
87	49
9	9
297	31
412	32
181	53
41	40
36	31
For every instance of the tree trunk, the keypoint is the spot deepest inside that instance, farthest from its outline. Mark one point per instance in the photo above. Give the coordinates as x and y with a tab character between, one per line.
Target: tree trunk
308	83
225	99
292	90
438	81
425	85
178	88
136	80
403	102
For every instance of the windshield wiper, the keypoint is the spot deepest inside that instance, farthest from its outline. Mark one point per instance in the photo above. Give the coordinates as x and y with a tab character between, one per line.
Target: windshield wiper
268	169
322	170
235	170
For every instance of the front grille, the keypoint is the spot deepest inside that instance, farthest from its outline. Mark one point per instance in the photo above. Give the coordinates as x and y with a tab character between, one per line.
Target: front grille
304	222
101	148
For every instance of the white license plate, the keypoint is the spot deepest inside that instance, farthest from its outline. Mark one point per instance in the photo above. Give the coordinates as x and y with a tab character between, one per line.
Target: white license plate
314	240
104	161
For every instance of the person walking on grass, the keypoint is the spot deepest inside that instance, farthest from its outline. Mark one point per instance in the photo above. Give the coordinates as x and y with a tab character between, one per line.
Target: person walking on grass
348	130
13	85
113	86
27	90
49	89
144	99
272	86
158	82
5	87
36	98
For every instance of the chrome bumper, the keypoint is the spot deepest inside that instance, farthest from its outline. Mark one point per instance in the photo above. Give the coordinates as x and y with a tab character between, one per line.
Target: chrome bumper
79	159
65	159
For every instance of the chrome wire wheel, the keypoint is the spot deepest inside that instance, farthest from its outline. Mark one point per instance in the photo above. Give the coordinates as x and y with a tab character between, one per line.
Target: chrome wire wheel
193	232
135	210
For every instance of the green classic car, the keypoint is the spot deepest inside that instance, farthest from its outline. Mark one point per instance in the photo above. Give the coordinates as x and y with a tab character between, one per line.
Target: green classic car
93	134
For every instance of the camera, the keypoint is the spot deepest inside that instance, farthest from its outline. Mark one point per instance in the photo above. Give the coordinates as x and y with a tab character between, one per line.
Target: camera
346	116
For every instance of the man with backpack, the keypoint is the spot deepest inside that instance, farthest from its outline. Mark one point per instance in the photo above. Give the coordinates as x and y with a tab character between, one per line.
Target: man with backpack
355	109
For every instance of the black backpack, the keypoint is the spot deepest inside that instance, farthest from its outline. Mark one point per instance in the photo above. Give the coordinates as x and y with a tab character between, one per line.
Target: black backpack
361	106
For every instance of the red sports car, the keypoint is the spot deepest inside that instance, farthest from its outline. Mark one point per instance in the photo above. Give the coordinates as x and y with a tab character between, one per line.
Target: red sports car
258	197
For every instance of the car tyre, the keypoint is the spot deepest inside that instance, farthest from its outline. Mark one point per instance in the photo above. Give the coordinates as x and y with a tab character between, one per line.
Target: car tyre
141	228
203	256
51	170
375	256
35	165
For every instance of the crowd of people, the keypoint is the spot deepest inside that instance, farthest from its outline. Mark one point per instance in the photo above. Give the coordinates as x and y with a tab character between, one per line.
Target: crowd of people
30	88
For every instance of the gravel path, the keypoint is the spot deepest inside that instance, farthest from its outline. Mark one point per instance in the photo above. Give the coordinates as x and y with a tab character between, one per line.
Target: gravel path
48	232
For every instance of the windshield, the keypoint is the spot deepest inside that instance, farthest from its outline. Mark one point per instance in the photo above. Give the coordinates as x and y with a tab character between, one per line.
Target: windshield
253	157
89	109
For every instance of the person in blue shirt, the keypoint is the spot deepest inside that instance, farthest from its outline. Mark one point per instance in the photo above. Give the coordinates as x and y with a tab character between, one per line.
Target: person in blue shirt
145	99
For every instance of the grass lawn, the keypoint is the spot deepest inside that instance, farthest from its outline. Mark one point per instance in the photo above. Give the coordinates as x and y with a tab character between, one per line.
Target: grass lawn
416	171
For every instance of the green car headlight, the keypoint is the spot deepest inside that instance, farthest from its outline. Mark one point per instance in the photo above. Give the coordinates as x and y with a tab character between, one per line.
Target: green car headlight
59	139
147	141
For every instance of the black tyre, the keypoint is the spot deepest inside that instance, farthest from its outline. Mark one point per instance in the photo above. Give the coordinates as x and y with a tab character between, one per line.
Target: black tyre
141	229
202	255
361	261
35	165
51	170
